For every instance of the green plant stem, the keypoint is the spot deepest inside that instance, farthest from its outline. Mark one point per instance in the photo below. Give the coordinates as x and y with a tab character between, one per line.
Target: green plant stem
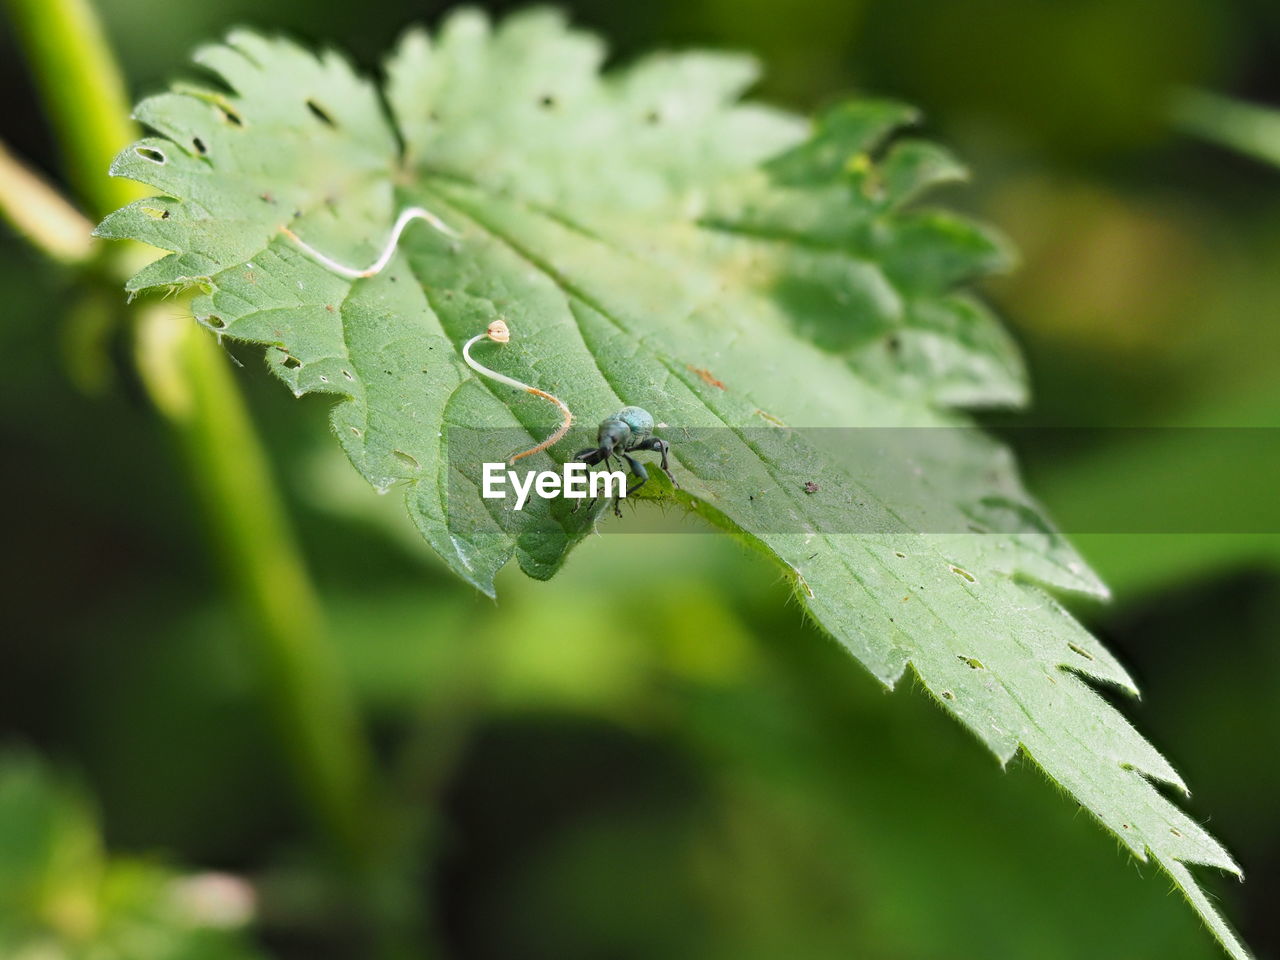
1244	126
84	95
187	378
38	212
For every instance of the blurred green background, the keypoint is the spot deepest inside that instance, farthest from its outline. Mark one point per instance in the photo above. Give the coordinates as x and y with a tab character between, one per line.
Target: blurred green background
714	778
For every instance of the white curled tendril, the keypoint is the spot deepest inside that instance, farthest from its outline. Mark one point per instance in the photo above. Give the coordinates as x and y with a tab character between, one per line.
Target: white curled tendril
355	273
499	333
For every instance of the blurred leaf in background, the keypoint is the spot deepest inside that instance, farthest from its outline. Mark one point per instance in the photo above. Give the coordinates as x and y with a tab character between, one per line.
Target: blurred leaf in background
62	898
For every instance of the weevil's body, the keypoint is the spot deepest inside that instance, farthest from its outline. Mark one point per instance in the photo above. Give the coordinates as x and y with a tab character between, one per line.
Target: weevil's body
626	432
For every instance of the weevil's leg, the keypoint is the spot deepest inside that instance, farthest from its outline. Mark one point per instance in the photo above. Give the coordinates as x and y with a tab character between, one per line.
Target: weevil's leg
638	471
609	457
661	446
590	503
665	449
590	456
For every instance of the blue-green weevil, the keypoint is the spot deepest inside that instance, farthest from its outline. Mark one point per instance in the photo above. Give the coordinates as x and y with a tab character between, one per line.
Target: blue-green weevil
624	433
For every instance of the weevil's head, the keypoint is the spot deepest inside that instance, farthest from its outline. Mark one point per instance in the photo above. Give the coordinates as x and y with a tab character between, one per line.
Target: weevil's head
614	434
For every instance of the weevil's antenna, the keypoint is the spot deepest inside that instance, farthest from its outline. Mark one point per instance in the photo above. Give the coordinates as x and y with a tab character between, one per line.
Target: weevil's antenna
499	333
355	273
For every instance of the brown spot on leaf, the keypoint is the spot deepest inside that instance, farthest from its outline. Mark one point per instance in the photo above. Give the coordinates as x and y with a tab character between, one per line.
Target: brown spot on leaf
706	377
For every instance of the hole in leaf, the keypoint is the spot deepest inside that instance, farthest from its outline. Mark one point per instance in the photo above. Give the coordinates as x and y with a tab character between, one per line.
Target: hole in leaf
547	101
291	363
216	322
900	556
155	213
199	145
960	571
152	154
347	374
1080	650
948	695
320	113
230	116
1175	831
973	663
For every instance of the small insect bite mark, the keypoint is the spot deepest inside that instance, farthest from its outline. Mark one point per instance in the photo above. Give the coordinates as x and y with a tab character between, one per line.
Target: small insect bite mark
406	217
499	332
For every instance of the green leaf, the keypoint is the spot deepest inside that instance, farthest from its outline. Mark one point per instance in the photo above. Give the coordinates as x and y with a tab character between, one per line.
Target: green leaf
1251	129
62	898
652	240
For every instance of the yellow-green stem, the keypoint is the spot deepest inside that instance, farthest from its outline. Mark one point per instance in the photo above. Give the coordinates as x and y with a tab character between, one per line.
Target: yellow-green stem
188	380
1246	127
84	95
38	212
